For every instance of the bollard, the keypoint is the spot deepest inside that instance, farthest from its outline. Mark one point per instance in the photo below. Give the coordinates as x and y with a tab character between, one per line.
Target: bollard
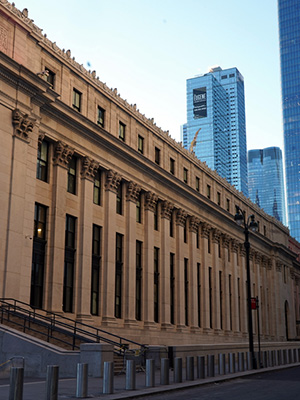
16	383
108	377
210	365
222	365
178	370
241	361
231	363
130	375
200	367
52	382
82	380
190	376
164	371
150	373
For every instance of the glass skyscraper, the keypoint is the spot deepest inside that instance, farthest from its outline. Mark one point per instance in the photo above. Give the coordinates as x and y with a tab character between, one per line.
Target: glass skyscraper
216	125
289	38
265	181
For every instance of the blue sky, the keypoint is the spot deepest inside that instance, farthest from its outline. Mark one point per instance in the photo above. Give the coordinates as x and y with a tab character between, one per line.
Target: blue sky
148	48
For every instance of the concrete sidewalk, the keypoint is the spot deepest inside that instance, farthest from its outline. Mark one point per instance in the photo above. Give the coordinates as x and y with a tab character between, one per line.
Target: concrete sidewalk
35	389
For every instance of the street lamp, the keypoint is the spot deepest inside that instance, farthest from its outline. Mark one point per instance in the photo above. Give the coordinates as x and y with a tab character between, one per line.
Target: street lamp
249	224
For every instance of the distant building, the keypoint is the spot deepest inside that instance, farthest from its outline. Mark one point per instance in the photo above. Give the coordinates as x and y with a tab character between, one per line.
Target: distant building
289	33
215	103
265	181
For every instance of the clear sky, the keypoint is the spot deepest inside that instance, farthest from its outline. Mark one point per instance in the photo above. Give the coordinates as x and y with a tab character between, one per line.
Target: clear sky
148	48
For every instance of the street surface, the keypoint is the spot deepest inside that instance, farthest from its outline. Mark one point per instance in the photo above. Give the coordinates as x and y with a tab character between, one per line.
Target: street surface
279	385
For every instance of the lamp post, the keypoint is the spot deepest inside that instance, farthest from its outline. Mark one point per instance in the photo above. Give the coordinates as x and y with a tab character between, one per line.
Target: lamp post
249	224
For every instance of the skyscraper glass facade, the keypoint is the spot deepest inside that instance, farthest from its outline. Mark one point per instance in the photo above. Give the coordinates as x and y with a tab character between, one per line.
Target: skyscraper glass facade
265	181
216	119
289	38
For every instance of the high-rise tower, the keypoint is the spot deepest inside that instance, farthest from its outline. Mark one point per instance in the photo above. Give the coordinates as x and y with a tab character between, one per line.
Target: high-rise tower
289	37
216	104
265	181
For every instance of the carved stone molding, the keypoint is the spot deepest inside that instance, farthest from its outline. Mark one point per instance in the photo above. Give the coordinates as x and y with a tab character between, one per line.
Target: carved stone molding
297	280
41	138
23	126
133	192
264	260
194	224
269	264
205	230
242	250
112	181
292	274
62	154
216	235
279	266
166	209
181	217
258	257
226	241
235	245
89	168
252	255
150	201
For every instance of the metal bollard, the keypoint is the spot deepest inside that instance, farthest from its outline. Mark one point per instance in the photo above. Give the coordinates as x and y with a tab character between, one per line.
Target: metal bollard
190	375
16	383
200	367
178	370
241	361
231	363
210	365
164	371
82	380
130	375
52	382
108	377
150	373
222	365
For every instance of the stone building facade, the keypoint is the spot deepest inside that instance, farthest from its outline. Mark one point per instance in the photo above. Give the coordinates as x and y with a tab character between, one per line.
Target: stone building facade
108	220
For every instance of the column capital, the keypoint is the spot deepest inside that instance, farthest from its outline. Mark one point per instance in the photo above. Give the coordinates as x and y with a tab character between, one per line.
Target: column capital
23	124
242	250
279	266
235	245
181	217
258	257
89	168
112	181
133	192
264	261
205	230
194	224
166	209
216	235
226	241
62	154
150	201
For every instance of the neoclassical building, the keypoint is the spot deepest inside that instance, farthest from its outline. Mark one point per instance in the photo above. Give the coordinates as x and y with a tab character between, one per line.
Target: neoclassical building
108	220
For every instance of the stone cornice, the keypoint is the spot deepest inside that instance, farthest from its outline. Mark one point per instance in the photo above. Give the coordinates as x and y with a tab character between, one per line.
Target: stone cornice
112	181
62	154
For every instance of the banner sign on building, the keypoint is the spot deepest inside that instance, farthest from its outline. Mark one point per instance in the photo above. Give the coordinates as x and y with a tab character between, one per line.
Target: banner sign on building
199	102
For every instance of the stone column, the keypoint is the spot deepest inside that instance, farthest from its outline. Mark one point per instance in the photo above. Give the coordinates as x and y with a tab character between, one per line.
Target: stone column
216	281
20	216
243	279
273	298
148	297
112	183
193	289
181	216
166	215
236	301
133	191
62	155
265	317
205	311
85	234
226	314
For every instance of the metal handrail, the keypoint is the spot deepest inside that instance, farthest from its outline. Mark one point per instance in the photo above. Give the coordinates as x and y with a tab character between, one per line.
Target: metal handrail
56	322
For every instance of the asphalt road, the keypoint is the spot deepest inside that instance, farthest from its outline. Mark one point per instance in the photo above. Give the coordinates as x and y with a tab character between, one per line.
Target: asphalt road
279	385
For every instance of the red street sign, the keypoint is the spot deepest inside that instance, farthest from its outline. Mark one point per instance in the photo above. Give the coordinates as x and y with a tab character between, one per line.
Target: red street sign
253	303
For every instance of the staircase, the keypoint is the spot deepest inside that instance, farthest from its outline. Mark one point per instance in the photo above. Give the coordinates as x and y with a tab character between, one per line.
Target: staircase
61	331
